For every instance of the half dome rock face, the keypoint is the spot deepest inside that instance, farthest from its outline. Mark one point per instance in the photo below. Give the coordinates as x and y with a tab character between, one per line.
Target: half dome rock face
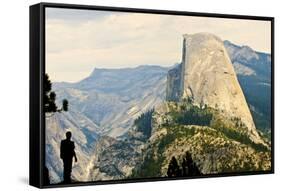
208	78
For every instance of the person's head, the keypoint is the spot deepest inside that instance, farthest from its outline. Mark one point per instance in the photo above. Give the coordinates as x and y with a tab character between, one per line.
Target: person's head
68	135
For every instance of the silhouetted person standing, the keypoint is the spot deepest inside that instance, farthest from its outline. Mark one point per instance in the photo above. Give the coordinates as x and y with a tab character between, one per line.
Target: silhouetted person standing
67	153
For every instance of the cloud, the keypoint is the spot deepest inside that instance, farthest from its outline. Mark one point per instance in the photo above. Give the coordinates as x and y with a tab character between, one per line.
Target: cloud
116	40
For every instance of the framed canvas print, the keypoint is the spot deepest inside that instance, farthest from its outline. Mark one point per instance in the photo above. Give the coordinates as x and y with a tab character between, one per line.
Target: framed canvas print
123	95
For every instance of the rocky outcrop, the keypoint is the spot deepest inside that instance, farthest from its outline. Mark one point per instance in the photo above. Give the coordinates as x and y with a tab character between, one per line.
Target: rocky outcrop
208	78
216	147
114	159
173	91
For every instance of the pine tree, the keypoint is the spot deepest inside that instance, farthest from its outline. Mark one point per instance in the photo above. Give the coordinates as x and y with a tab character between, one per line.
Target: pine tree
50	98
173	168
189	167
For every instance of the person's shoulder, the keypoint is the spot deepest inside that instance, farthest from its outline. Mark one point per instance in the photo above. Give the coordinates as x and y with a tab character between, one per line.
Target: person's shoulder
63	141
72	143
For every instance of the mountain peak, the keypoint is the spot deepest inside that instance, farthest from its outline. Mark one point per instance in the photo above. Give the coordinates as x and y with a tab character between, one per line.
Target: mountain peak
207	77
248	53
240	52
201	37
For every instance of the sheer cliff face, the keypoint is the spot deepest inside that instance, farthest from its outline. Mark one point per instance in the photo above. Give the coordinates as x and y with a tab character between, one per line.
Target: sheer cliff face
173	91
208	78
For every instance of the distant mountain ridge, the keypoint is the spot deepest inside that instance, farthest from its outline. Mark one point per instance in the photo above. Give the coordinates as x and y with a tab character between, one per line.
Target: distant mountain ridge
253	70
245	55
114	97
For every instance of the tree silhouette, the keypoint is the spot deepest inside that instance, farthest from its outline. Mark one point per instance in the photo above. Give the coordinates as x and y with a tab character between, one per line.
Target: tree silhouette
189	167
173	168
50	98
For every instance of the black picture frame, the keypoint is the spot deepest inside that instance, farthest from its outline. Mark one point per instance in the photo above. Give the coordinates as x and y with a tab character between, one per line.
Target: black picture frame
37	71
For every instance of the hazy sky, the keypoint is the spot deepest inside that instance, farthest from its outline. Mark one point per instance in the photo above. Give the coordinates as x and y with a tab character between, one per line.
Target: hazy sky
77	41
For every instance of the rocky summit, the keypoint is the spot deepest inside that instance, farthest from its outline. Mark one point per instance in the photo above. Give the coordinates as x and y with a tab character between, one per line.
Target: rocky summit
207	77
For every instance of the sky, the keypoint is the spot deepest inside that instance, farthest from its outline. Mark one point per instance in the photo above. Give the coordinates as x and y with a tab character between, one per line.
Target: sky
77	41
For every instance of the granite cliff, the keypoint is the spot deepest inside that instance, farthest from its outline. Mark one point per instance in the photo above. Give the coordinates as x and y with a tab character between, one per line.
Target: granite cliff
207	77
